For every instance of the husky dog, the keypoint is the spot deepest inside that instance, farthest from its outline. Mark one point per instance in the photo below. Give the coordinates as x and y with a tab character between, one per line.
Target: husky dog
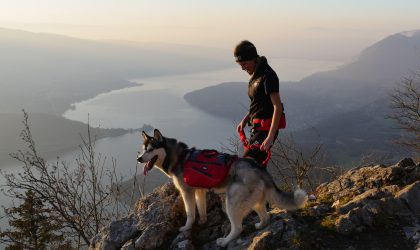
247	186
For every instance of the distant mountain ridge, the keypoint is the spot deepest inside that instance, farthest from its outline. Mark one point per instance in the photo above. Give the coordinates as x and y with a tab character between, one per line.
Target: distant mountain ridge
371	75
51	71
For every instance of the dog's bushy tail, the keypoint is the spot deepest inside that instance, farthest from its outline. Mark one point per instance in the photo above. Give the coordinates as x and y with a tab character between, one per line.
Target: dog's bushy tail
287	200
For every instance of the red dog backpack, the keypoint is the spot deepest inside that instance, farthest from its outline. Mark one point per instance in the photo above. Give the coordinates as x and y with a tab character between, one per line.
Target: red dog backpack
207	168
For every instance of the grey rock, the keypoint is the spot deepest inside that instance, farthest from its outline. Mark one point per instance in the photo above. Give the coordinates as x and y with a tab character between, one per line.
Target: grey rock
319	209
373	207
155	236
407	162
210	246
183	237
117	234
411	196
354	215
366	218
359	180
185	245
345	225
129	245
217	217
209	234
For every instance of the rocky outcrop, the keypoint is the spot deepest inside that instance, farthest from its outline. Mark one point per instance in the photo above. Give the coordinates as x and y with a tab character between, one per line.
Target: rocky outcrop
376	196
364	203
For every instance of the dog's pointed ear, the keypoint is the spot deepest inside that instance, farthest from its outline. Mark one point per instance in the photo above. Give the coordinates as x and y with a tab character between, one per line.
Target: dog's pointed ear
158	136
145	136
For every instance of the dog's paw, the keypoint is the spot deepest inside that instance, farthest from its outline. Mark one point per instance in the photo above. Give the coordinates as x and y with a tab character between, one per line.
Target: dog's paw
184	228
221	242
202	221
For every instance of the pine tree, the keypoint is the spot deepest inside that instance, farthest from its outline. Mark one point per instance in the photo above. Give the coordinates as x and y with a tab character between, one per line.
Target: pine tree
32	227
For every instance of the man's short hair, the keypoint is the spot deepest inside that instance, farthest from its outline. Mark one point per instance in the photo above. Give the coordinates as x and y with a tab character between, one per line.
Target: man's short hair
245	51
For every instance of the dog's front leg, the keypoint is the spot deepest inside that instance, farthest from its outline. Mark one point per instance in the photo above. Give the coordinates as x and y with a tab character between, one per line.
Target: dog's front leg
189	203
200	199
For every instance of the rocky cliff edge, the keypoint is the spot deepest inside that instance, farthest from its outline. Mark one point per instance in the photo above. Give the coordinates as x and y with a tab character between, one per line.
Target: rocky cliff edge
369	207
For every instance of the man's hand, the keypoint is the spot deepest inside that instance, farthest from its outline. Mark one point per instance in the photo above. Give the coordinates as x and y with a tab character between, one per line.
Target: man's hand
267	143
241	126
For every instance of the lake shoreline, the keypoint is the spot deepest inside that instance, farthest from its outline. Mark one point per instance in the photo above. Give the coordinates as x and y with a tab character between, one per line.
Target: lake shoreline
54	135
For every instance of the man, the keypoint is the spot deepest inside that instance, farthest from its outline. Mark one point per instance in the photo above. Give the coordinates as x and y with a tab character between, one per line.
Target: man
265	115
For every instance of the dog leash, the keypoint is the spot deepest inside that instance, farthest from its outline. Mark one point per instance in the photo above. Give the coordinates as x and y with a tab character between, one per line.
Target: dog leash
248	146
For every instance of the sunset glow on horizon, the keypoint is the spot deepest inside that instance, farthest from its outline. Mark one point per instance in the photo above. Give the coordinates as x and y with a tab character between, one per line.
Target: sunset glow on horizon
297	27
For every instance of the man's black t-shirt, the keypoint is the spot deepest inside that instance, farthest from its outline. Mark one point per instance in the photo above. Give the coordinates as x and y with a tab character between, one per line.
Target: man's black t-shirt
262	83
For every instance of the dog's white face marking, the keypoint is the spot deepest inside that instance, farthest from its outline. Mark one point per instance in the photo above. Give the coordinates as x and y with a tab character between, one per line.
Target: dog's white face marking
161	153
146	156
153	153
148	149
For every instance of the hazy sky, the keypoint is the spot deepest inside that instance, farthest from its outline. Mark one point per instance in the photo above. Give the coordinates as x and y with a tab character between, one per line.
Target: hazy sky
325	29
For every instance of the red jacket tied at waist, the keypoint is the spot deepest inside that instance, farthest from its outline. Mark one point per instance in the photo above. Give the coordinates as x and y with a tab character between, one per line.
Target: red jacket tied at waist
265	124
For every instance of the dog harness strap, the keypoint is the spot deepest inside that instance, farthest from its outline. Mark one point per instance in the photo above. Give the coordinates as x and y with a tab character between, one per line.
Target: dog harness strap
248	146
